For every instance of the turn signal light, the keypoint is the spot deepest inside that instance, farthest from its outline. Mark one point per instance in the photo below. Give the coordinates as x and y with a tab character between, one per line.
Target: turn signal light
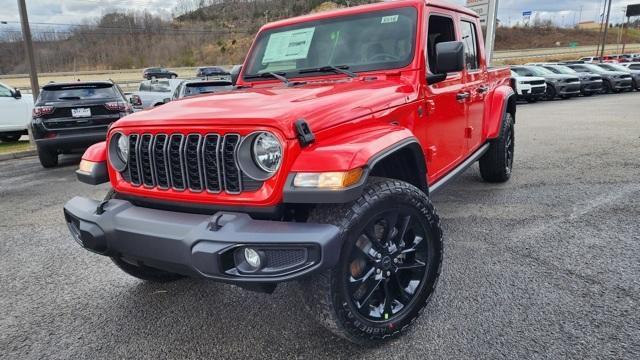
328	180
87	166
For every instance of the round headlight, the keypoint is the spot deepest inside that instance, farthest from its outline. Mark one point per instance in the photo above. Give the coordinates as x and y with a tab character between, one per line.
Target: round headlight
267	152
119	151
123	148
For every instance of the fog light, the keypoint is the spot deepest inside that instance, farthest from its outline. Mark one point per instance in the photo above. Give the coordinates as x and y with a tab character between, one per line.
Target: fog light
253	258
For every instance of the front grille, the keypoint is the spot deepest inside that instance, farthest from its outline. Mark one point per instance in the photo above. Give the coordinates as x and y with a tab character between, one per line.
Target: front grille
191	162
536	82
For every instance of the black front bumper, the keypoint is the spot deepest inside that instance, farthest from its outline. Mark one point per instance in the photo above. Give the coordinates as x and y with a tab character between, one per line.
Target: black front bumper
203	245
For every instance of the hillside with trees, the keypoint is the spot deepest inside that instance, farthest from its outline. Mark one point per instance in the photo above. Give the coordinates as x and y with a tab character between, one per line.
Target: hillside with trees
206	32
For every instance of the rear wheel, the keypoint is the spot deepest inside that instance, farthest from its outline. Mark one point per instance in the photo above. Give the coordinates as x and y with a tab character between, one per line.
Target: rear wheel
48	158
389	265
607	88
497	164
10	137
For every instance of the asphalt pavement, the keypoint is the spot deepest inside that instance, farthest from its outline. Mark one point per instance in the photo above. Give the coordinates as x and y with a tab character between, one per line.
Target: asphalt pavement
545	266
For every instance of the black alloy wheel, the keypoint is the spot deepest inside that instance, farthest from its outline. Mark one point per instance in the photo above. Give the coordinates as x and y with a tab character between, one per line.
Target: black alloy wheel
388	265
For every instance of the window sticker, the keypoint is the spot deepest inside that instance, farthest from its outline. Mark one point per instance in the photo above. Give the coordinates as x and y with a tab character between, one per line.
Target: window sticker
389	19
288	45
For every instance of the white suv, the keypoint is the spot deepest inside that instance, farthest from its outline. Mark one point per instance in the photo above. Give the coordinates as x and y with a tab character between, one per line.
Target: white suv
15	113
529	88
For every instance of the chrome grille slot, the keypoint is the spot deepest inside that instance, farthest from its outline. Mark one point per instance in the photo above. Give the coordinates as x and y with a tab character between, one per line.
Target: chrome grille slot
211	163
176	166
144	151
192	160
230	168
134	170
160	161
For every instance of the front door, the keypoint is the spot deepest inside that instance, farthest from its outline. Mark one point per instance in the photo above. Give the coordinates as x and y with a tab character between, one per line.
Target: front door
446	104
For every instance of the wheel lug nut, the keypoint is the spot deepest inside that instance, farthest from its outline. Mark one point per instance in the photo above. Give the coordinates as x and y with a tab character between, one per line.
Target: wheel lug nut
395	260
378	271
388	273
378	256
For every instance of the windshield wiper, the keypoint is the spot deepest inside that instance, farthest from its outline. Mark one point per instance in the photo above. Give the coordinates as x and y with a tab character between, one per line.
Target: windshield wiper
343	69
279	76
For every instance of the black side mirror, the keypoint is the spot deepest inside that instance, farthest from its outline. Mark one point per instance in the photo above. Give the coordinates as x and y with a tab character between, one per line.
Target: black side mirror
17	94
449	59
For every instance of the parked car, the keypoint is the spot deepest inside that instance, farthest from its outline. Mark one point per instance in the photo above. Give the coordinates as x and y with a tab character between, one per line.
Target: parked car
212	71
589	83
528	88
613	81
74	116
15	113
190	88
635	73
564	86
158	73
235	72
590	59
152	93
327	182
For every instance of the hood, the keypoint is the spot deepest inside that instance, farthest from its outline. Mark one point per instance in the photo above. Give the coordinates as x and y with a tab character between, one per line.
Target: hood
322	104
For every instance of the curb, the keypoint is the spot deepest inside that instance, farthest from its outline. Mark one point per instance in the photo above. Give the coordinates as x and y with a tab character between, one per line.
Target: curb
18	155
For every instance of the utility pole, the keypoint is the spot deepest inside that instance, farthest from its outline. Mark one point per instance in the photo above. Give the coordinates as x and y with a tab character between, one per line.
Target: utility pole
606	30
604	9
626	33
28	49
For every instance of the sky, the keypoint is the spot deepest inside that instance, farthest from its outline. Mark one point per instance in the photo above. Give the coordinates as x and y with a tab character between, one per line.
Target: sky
562	12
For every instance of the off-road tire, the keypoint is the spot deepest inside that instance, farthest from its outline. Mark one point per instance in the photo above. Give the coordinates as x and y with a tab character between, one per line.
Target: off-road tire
47	158
496	164
325	295
146	273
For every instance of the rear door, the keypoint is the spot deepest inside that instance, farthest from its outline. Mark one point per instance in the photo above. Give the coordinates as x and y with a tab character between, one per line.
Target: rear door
445	102
476	81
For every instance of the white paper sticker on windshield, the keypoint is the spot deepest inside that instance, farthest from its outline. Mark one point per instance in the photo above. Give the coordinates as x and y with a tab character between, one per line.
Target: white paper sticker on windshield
288	45
389	19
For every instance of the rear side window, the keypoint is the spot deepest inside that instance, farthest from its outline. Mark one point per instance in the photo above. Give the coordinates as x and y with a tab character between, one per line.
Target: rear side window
634	67
78	92
440	30
470	40
158	86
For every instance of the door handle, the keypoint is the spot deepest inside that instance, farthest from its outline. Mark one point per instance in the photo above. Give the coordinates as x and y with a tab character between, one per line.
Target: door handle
483	89
461	97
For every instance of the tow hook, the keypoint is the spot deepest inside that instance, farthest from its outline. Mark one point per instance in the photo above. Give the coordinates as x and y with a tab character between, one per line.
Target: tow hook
214	224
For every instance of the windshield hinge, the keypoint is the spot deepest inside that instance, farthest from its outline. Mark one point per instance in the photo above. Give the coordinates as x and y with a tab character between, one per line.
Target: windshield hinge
305	135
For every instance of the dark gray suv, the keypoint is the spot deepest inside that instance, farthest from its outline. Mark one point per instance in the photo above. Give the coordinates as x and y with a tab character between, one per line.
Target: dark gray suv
613	81
589	83
564	86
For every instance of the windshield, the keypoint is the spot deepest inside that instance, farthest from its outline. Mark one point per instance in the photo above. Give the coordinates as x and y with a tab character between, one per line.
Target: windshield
614	67
78	92
206	88
559	69
539	71
593	68
155	86
365	42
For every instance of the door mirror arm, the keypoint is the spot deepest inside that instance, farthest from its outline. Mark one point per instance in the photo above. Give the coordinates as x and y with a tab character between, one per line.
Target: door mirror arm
16	94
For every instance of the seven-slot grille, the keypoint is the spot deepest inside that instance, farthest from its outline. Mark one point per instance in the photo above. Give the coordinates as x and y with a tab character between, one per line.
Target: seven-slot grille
192	162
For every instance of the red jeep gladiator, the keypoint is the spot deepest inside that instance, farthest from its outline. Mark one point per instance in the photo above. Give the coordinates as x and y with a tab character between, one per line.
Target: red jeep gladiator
317	167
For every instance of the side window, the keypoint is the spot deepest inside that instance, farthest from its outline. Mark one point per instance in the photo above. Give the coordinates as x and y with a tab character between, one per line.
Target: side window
440	30
634	67
470	40
4	92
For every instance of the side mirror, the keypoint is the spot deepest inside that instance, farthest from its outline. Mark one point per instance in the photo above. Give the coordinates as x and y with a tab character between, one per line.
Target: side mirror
166	100
17	94
449	59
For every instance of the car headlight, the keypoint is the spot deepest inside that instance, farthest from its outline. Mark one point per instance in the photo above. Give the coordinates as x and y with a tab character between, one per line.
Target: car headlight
267	152
119	151
260	155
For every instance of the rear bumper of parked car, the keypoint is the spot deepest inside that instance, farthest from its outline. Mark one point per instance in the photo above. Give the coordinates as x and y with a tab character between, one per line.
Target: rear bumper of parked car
65	140
203	245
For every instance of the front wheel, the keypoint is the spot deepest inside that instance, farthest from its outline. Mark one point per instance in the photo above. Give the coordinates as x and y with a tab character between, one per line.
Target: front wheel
551	92
497	164
389	265
607	88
